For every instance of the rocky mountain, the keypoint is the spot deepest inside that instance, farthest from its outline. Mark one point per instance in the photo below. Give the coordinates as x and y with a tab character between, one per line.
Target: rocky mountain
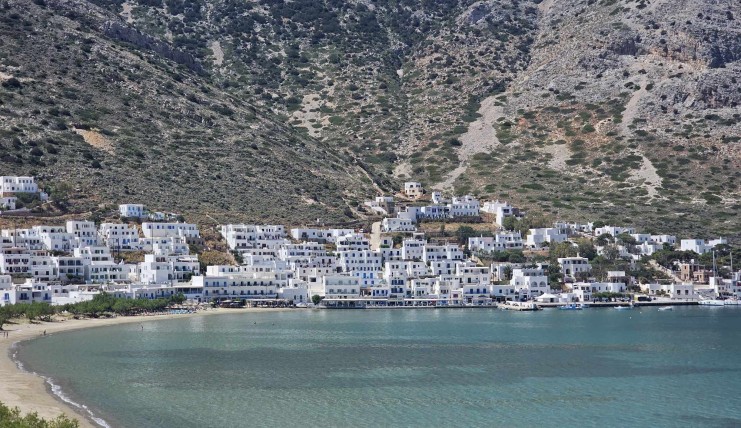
621	110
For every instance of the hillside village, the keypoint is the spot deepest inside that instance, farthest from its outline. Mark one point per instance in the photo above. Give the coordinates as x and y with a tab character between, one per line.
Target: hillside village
401	261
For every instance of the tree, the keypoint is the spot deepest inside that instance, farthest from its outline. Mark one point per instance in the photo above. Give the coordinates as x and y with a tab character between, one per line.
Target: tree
586	249
12	418
603	239
611	252
316	299
4	316
507	273
463	233
178	299
560	250
626	239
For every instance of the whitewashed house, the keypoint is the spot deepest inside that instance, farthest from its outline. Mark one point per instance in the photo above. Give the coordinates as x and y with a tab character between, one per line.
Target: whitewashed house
132	211
529	282
10	184
353	242
412	249
465	206
168	230
8	202
337	287
413	189
55	238
571	266
700	246
366	265
395	224
28	292
501	241
441	252
14	261
167	269
119	236
85	232
613	230
319	235
540	237
500	209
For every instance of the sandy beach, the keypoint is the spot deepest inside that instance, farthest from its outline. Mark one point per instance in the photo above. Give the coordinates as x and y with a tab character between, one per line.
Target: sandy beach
31	393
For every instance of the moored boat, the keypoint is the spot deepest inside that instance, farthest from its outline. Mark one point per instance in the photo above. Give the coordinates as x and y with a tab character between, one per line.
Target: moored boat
571	307
711	302
666	308
519	306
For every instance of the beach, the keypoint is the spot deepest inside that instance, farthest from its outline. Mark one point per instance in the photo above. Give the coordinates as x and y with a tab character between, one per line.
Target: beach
31	393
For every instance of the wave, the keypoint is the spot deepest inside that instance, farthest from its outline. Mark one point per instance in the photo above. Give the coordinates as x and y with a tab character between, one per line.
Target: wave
57	390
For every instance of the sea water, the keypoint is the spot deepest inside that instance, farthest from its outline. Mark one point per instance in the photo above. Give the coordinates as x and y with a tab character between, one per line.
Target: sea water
415	368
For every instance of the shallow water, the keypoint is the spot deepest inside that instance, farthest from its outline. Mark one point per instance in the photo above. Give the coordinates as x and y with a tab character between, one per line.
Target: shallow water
458	367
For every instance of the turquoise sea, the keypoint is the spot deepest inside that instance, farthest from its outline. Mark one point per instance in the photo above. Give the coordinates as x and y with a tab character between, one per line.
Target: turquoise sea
414	368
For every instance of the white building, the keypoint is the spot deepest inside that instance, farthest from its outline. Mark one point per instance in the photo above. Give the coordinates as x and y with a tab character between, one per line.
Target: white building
465	206
319	235
441	252
353	242
27	292
700	246
17	184
132	211
366	265
166	230
571	266
395	224
613	230
500	209
7	202
339	287
245	236
529	282
501	241
383	205
119	236
674	291
413	189
85	232
167	269
14	261
537	238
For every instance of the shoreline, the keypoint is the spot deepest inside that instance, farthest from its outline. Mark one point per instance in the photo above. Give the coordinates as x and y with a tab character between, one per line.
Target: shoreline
31	392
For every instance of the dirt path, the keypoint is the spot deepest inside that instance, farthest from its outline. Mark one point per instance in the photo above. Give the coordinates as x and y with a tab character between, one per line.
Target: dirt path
375	236
96	139
560	154
218	53
126	12
646	174
309	114
481	137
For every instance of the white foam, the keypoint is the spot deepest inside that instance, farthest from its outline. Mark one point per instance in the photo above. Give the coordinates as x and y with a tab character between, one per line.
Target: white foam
57	390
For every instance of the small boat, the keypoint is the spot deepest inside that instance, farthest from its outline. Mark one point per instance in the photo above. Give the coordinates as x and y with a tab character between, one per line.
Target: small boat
666	308
711	302
571	307
624	308
519	306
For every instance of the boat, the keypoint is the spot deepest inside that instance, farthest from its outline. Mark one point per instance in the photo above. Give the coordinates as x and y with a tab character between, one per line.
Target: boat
624	308
571	307
666	308
519	306
711	302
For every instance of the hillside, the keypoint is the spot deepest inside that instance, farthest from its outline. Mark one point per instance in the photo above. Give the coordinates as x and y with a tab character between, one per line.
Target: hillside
620	110
101	120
